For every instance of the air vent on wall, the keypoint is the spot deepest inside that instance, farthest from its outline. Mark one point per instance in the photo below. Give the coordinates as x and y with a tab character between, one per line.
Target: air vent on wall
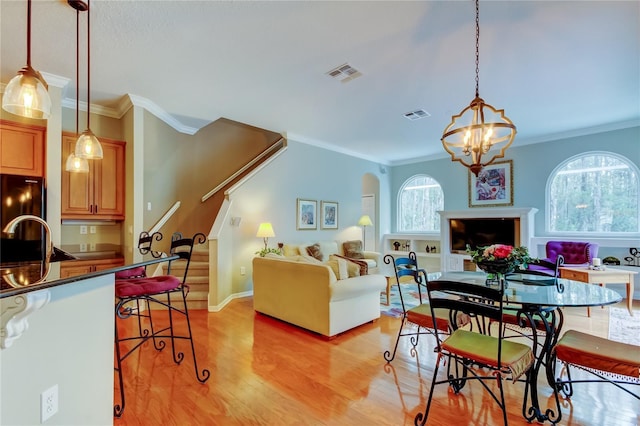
344	73
417	114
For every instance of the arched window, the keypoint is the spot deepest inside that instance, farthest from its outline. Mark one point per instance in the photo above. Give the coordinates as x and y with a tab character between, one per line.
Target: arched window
594	192
419	200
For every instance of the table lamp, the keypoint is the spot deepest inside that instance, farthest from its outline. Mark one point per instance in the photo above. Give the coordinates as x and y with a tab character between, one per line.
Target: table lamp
265	230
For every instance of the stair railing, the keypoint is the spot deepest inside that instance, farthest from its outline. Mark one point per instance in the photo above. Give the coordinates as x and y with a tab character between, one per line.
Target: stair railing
250	164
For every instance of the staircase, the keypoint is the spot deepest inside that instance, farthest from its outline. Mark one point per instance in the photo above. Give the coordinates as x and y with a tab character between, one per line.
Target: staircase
197	278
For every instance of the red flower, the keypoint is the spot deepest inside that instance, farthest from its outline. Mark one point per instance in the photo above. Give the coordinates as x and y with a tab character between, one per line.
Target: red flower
502	251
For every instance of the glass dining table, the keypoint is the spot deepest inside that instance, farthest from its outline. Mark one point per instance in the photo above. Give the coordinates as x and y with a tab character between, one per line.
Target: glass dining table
537	301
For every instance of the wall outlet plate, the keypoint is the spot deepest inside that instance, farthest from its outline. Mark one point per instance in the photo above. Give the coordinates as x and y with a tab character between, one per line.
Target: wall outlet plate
48	403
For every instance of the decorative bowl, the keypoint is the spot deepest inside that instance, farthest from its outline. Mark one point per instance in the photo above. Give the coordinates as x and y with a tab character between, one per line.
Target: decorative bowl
496	266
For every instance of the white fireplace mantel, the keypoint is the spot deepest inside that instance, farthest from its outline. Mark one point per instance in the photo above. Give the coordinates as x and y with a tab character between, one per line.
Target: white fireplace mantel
455	262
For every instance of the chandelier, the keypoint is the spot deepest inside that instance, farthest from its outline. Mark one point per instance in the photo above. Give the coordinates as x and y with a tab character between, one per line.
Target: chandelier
480	134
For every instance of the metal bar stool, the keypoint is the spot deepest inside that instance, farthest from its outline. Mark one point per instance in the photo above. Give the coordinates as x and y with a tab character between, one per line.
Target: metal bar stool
155	291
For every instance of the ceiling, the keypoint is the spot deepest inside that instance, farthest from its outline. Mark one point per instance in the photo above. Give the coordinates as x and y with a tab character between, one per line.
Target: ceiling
559	68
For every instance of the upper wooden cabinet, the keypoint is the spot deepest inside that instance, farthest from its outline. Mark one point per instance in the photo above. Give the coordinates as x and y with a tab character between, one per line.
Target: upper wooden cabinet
98	194
22	149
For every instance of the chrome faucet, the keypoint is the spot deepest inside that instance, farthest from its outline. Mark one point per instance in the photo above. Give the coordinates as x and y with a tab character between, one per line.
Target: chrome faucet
10	229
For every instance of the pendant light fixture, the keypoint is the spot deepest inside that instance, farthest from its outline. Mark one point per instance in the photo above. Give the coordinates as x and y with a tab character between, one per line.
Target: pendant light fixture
74	163
88	146
480	129
26	94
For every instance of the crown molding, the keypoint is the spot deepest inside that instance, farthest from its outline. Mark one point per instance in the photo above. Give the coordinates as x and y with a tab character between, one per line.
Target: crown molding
320	144
125	104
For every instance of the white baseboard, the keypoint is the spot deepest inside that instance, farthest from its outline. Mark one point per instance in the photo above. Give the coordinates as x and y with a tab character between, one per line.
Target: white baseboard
225	302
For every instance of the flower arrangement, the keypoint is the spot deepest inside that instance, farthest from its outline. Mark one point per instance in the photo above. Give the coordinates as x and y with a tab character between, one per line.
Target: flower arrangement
500	258
264	252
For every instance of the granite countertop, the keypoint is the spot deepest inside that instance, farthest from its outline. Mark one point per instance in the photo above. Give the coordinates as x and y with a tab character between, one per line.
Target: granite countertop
26	277
93	251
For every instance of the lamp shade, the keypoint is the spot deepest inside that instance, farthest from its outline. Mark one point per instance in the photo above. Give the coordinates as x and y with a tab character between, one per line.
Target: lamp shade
88	146
265	230
365	220
76	164
26	95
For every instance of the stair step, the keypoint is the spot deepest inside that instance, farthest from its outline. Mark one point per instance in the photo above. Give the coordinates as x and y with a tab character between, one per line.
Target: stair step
198	279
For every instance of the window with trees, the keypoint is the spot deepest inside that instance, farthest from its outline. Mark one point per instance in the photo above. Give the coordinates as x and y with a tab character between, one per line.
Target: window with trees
594	192
419	200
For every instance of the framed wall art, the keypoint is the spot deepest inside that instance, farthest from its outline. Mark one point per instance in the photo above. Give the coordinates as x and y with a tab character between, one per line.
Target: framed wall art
307	212
329	212
493	186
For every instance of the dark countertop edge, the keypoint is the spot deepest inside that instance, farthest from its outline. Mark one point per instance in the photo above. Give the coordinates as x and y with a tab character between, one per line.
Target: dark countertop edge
62	281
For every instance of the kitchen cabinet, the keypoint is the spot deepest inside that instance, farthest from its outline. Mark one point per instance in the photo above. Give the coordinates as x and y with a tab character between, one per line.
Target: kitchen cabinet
72	268
98	194
22	149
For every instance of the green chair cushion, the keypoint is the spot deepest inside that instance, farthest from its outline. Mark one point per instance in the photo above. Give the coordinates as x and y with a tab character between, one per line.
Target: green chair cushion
517	357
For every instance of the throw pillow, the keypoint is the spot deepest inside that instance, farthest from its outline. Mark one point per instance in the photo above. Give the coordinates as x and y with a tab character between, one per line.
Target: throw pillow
363	268
353	249
339	267
290	250
315	252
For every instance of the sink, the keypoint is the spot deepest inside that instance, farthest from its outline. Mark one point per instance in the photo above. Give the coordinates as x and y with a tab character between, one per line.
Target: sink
19	251
59	255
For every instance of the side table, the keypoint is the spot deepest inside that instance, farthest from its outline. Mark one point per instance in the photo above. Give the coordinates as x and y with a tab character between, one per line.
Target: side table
608	276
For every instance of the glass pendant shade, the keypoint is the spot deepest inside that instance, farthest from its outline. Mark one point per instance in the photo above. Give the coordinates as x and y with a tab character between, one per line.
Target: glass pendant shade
76	164
88	146
26	94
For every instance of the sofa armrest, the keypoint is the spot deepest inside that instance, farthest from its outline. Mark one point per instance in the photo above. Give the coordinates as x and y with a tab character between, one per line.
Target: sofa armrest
373	255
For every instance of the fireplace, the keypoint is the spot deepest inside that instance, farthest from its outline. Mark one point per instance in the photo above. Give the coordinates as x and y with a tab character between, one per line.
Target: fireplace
503	223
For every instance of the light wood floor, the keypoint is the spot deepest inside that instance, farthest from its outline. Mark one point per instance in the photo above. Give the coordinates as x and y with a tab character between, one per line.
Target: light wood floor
265	372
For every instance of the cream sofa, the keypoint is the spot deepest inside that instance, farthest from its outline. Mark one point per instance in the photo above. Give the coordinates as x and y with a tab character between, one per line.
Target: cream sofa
372	258
308	294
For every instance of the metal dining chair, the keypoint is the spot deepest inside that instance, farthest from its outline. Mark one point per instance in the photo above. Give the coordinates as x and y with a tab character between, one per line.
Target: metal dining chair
605	360
471	353
416	321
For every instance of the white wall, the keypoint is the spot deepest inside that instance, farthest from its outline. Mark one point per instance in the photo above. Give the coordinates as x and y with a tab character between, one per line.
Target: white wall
532	165
69	343
303	171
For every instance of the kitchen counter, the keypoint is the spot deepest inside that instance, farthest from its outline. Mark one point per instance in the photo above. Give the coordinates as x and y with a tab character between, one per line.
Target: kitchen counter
93	251
25	277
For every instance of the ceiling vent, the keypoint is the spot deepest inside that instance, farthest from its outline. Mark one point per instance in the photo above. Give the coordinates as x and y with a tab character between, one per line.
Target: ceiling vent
417	114
344	73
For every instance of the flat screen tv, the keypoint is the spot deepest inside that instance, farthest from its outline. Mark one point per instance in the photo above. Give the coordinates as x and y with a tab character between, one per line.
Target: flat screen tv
483	232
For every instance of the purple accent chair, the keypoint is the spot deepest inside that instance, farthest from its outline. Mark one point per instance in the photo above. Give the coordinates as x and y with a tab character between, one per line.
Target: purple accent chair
565	253
574	253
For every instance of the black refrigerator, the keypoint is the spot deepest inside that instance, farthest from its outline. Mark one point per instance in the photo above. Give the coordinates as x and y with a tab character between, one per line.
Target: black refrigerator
22	195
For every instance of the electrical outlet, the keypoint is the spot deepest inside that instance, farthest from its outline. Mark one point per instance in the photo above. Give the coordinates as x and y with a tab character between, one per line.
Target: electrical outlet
83	247
92	229
48	403
242	270
83	229
92	246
